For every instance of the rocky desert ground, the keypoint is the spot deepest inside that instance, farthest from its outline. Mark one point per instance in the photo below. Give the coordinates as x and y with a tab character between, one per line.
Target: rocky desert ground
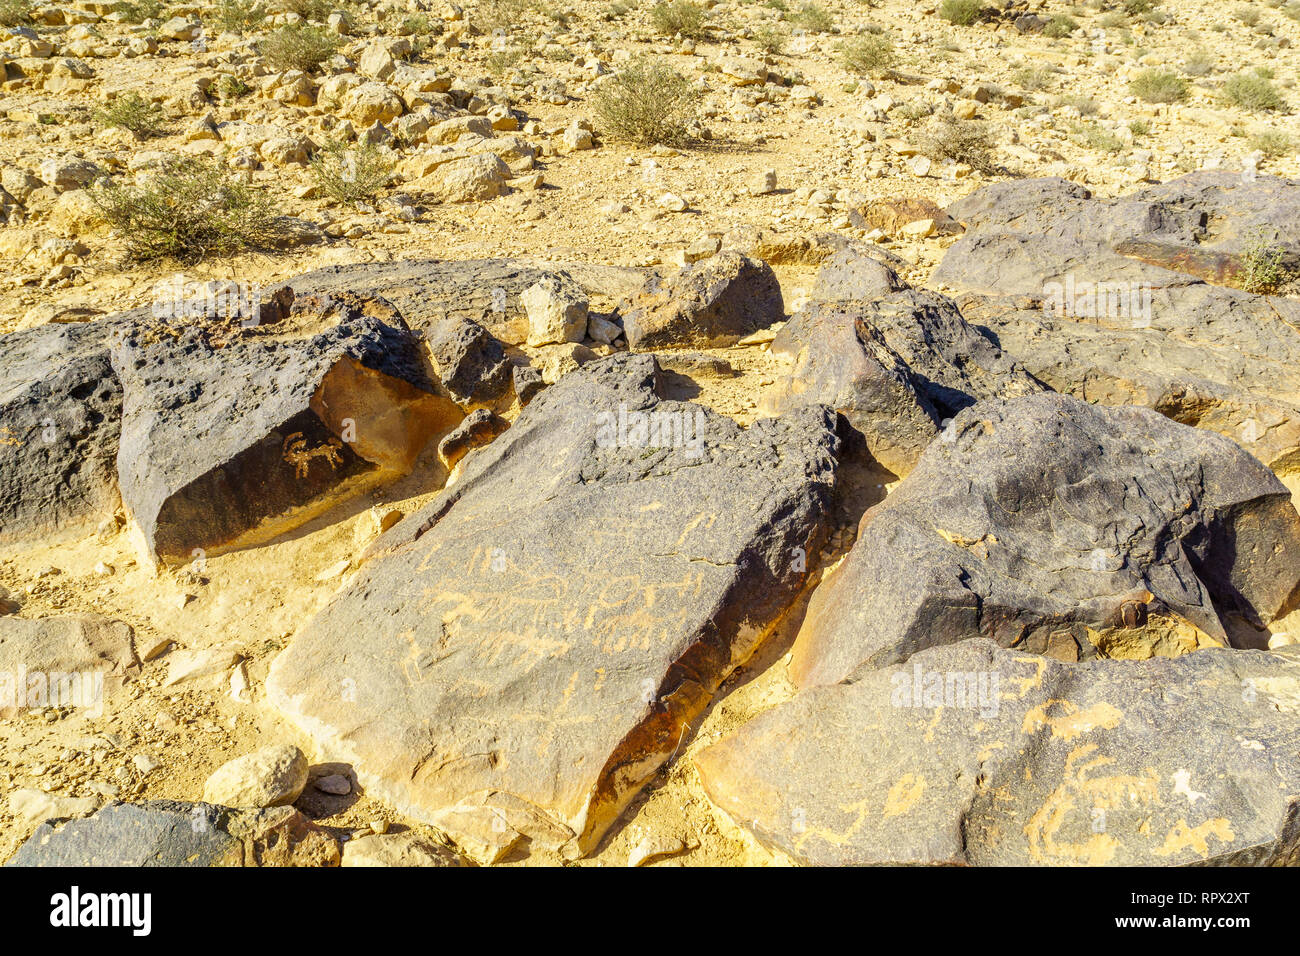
633	433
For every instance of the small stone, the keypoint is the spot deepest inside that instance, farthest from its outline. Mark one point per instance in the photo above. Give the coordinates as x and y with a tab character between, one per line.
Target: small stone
654	848
335	570
334	783
144	764
270	777
396	849
672	202
555	314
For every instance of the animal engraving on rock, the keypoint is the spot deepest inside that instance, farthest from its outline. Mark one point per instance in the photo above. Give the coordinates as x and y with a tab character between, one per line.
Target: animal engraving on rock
300	456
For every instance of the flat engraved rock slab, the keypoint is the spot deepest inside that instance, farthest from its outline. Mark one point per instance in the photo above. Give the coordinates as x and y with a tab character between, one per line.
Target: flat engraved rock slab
519	657
973	754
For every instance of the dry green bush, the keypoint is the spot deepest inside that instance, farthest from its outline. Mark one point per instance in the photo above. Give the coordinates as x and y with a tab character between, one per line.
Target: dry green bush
1060	26
675	17
1251	91
1159	86
192	209
133	112
1198	63
962	141
1272	143
138	11
771	40
1263	268
646	103
961	12
351	173
813	18
869	55
298	47
239	16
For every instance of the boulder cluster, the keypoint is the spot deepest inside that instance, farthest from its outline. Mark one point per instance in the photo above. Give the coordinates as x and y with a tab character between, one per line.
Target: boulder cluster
1057	635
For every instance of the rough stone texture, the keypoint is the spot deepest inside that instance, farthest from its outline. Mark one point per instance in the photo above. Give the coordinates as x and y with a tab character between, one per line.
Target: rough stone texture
57	383
712	303
472	179
479	428
62	661
555	313
428	292
1203	353
1060	528
175	833
896	367
528	381
1160	762
851	275
268	777
519	657
397	849
471	362
229	444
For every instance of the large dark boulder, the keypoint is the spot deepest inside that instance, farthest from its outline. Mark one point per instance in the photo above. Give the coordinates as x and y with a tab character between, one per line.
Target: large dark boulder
228	443
519	657
175	833
60	420
976	755
1059	528
897	366
429	293
713	303
1138	299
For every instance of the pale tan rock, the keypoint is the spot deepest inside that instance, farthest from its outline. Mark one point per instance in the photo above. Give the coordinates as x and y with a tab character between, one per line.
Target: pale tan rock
270	777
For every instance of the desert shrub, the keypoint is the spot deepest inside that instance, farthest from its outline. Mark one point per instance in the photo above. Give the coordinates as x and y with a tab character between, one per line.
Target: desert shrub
14	13
1092	136
1251	91
813	18
962	141
230	87
674	17
193	209
239	16
1247	15
1272	143
133	112
770	40
1159	86
1084	104
318	10
961	12
503	61
868	55
1263	269
351	173
1198	63
1034	78
298	47
1060	26
1137	7
500	16
1139	127
138	11
646	103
